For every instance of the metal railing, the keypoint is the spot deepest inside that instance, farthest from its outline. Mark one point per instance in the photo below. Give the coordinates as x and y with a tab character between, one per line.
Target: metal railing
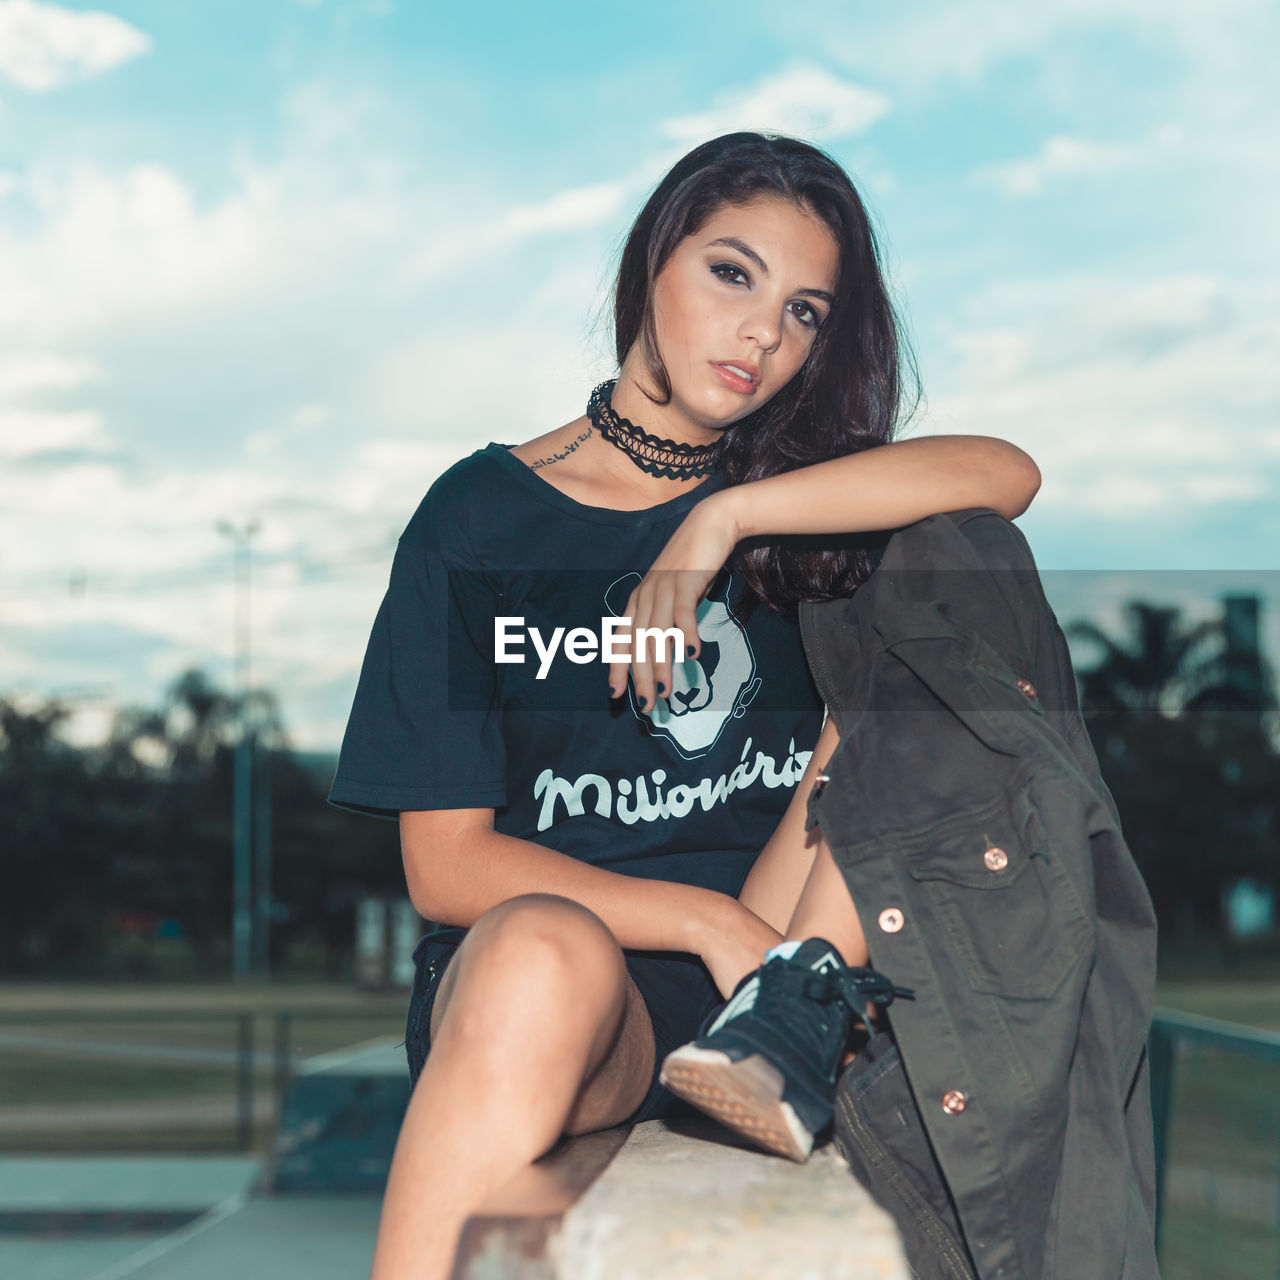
237	1053
1171	1034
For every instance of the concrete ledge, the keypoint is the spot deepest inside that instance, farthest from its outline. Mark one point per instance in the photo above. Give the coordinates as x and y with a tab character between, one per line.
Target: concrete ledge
686	1200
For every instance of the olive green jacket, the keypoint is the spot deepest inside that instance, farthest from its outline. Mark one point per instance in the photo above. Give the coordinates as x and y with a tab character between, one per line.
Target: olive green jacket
1004	1119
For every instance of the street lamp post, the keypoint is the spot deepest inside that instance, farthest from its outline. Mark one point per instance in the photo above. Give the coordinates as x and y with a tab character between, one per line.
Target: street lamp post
242	786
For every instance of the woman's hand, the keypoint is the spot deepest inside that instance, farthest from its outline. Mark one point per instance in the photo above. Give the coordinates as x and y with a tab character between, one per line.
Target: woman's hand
668	596
733	943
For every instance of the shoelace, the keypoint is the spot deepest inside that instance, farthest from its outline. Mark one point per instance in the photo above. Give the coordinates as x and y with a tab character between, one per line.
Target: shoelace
855	988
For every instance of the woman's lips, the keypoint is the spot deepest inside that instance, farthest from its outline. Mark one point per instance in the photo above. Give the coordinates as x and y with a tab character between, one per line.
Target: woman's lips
734	380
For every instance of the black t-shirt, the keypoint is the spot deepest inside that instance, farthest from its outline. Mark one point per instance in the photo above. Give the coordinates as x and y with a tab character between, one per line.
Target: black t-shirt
688	792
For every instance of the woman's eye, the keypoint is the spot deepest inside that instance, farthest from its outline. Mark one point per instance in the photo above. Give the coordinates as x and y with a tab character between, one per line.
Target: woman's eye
729	267
813	320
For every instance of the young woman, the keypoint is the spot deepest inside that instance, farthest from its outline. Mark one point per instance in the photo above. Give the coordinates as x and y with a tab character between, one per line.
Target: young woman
607	863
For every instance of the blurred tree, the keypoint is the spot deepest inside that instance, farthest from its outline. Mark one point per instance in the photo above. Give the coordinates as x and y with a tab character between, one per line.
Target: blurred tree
1193	772
141	827
1165	662
178	865
49	799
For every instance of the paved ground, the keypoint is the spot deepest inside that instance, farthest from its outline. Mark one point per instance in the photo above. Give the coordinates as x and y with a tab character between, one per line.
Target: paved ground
303	1238
284	1238
121	1182
80	1259
36	1185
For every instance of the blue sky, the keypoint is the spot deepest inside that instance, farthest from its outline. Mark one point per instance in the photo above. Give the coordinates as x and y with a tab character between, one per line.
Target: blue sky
290	260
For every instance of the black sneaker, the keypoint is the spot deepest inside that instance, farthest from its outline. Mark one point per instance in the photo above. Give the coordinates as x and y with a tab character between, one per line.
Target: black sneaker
765	1063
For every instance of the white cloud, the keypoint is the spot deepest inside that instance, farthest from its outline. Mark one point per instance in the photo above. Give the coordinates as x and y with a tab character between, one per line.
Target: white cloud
577	209
26	432
568	211
1135	397
104	245
1065	156
45	46
801	99
22	373
925	44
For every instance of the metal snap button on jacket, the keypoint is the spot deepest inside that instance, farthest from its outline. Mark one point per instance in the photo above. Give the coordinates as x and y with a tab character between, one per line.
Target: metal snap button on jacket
996	859
1026	687
891	920
953	1102
822	781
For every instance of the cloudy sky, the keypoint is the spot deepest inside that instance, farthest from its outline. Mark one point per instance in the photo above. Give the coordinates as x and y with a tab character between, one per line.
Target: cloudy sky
286	261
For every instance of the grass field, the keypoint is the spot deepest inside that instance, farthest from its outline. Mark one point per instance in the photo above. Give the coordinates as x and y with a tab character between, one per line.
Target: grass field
65	1048
1252	1003
1200	1244
211	997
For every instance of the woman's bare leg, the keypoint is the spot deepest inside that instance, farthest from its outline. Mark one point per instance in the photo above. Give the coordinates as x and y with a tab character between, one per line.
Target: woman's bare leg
778	876
826	910
795	884
537	1030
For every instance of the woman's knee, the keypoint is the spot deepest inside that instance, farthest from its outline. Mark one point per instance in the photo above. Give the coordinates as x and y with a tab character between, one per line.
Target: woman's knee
542	953
548	925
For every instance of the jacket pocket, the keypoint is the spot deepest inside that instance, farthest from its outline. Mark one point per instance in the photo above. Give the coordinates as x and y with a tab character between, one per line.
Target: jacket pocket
1013	916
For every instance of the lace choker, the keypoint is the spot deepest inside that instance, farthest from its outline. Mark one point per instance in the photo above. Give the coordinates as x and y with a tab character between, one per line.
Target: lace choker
650	453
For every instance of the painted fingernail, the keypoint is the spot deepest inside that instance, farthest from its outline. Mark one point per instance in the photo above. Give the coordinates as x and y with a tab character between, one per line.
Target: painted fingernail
689	650
662	688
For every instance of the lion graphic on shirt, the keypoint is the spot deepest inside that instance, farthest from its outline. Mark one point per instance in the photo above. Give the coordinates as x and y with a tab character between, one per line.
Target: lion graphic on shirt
708	691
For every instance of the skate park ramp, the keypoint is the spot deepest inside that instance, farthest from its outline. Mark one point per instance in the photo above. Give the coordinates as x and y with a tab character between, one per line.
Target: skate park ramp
339	1121
309	1209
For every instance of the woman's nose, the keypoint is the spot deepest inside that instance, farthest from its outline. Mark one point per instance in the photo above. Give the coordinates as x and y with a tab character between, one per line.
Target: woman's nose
760	327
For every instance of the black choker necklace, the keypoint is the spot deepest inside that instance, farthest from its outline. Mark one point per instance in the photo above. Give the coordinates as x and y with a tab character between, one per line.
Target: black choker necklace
649	453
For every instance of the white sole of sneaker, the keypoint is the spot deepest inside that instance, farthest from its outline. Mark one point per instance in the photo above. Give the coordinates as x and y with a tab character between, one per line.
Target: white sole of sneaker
745	1096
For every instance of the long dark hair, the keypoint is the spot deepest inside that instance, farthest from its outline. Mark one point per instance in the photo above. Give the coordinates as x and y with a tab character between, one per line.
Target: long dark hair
848	395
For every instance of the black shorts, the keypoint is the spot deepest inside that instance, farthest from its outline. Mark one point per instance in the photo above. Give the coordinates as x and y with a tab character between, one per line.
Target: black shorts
678	993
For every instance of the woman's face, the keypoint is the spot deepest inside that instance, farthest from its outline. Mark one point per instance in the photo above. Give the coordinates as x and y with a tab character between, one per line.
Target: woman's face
749	290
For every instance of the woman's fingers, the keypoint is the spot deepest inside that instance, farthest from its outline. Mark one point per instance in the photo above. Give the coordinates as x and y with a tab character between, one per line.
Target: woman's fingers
667	646
622	642
665	602
689	592
651	650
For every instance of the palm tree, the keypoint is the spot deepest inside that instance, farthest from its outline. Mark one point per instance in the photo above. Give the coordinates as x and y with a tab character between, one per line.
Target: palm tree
1163	664
1194	778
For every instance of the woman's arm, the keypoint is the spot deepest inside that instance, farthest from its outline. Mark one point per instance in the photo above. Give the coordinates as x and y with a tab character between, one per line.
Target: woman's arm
885	487
457	867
